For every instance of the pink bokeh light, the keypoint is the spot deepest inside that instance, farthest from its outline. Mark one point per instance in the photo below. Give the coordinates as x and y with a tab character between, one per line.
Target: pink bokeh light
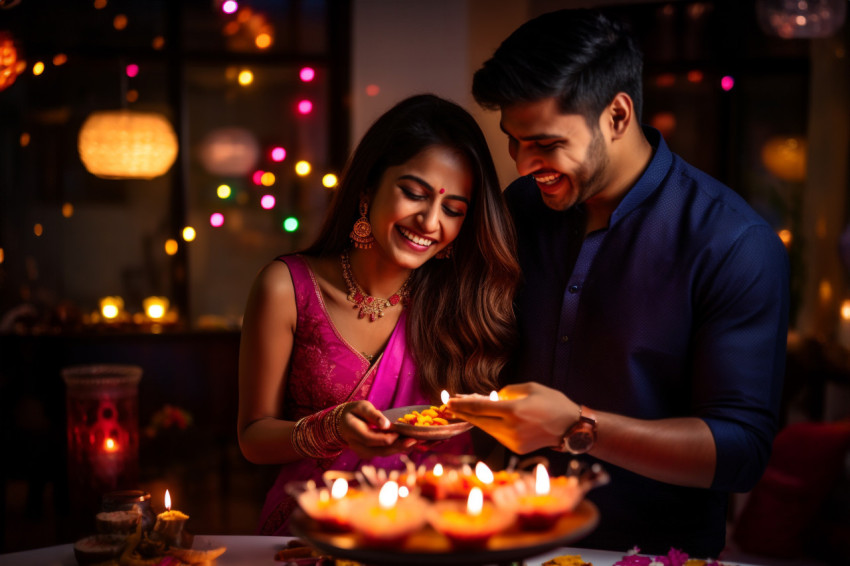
267	202
278	154
727	82
229	7
307	74
132	70
216	219
305	107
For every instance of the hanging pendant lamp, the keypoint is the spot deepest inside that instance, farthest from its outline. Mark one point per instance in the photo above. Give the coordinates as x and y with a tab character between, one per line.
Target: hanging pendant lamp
125	144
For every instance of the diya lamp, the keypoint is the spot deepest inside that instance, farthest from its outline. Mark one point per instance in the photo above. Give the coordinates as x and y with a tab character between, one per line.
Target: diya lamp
470	524
330	508
169	524
541	505
433	483
385	519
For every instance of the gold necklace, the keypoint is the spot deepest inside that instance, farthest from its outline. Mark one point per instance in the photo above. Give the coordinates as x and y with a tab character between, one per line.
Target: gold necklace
370	306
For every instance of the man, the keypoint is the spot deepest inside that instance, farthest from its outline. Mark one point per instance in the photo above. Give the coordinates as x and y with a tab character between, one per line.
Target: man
653	317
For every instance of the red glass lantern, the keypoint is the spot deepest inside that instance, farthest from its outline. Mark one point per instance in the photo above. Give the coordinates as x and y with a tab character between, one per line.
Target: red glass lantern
103	431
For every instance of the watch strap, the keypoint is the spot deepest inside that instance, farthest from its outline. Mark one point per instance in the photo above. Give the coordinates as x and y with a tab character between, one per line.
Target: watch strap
584	426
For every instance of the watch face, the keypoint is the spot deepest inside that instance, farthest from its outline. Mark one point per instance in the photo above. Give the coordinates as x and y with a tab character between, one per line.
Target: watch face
580	441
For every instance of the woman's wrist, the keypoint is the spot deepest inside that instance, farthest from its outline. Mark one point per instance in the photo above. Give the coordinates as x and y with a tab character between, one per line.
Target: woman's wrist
319	435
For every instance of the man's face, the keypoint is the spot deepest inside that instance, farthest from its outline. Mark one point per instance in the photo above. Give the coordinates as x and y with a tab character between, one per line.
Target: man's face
568	160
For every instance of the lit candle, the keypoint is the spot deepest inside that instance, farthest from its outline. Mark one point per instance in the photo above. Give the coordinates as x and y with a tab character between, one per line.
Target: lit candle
169	524
542	506
109	445
470	524
432	483
444	396
387	520
111	307
155	307
494	395
331	508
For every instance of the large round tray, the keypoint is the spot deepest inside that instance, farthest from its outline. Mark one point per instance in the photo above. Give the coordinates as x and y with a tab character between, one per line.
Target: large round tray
428	547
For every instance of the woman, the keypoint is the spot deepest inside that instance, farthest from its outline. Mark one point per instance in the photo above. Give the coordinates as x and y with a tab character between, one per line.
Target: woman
407	291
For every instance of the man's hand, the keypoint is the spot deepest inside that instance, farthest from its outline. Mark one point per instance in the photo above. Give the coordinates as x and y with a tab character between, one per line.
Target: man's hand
526	417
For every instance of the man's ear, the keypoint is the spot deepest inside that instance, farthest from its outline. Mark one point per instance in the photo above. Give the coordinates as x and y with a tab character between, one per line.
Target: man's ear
619	114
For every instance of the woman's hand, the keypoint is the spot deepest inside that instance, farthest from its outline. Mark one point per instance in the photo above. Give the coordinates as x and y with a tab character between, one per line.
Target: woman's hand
526	417
367	431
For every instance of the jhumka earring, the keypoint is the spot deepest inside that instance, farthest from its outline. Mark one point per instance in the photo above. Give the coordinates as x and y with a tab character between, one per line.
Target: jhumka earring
361	235
446	252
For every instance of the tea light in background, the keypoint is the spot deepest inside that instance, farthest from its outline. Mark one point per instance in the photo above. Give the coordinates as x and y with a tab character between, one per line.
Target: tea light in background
387	520
844	324
494	395
169	524
471	523
541	506
111	307
155	307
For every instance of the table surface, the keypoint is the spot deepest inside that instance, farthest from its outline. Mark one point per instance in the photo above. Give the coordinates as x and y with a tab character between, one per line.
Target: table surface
260	551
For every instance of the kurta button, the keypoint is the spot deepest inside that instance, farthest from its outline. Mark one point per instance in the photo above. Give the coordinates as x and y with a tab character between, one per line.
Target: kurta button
565	338
574	289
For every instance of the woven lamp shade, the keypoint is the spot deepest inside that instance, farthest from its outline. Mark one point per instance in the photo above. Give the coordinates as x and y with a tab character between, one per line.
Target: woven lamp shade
124	144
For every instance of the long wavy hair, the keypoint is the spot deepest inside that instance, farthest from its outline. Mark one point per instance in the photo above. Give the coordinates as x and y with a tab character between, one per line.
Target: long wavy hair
460	325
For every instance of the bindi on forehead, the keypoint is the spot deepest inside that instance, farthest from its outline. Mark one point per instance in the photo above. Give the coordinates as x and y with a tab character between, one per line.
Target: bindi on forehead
442	190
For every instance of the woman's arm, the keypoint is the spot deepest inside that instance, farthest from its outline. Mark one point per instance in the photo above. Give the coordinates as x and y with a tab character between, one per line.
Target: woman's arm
268	328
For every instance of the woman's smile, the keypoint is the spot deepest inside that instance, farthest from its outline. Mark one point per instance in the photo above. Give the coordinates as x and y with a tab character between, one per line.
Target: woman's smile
419	242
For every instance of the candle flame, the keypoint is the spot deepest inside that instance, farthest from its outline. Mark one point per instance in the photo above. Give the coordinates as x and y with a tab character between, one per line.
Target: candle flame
494	395
444	396
167	501
438	470
388	495
541	483
483	473
110	445
339	488
475	503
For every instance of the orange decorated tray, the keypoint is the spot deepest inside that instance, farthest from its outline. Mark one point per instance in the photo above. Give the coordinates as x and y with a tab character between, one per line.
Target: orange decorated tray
428	547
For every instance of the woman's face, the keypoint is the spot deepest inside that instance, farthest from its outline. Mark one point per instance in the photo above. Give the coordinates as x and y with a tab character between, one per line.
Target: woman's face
420	205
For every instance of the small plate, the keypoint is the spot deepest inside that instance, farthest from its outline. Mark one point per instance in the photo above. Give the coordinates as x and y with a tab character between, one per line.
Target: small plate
436	432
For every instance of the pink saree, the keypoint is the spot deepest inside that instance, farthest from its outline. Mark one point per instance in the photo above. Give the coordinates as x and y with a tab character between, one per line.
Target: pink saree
327	371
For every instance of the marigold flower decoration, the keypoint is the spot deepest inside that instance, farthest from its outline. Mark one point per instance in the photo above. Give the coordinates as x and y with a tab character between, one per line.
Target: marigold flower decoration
168	417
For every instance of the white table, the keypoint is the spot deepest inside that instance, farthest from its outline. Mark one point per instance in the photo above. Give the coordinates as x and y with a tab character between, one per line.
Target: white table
259	551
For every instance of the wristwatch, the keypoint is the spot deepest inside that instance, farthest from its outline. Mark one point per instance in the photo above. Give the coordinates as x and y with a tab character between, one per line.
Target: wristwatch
581	436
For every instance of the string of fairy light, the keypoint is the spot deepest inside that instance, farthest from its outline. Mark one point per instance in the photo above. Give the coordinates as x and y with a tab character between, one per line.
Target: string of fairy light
240	23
